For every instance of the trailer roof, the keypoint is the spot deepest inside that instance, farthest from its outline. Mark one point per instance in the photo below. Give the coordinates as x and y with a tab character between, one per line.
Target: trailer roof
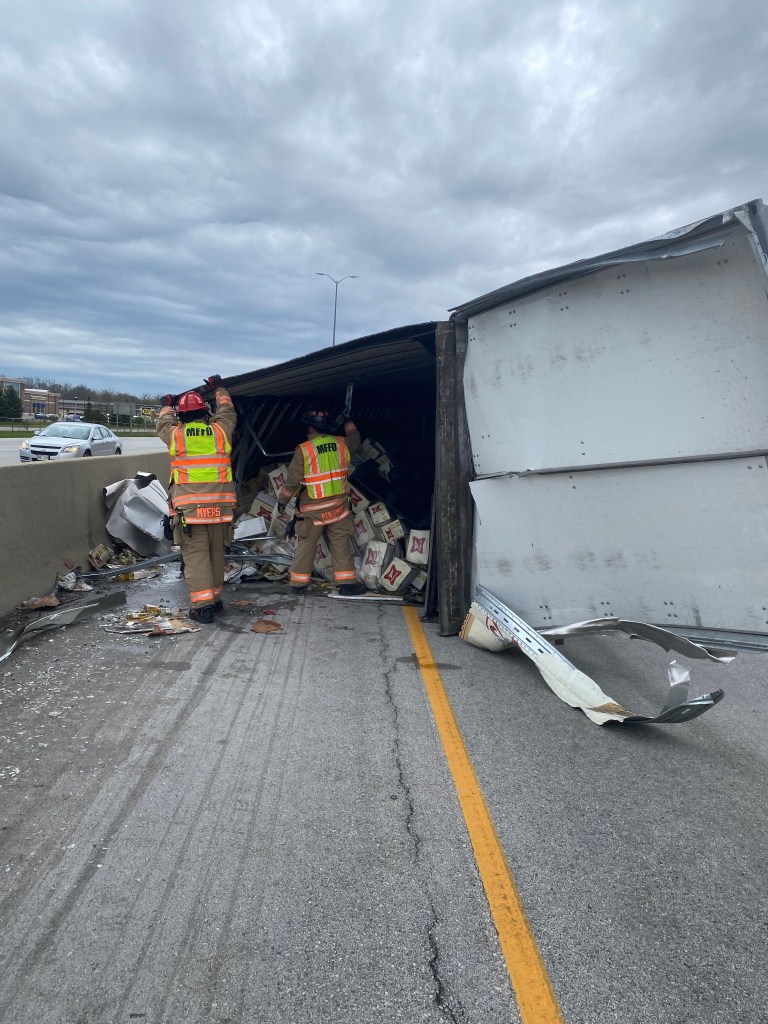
403	355
703	234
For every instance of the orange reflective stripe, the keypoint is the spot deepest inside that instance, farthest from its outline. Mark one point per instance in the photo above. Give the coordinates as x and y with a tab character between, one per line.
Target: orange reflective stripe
208	520
212	497
200	596
311	465
315	506
221	448
345	575
178	449
211	462
329	474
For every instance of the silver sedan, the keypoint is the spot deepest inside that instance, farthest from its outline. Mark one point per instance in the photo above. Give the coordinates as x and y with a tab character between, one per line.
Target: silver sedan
70	441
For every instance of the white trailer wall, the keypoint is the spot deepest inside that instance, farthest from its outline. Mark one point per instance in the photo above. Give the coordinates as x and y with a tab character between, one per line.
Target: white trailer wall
593	385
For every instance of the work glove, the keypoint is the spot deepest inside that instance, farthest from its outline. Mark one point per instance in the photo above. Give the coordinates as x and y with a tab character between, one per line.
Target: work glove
340	422
213	382
168	400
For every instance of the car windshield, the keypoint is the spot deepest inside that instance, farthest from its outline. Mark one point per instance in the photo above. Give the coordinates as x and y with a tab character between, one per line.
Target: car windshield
74	430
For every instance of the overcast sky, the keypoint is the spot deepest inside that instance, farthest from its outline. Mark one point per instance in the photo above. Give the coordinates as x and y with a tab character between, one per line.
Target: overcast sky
173	173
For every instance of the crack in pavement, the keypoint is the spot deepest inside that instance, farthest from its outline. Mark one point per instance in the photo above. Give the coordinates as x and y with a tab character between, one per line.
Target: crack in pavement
451	1007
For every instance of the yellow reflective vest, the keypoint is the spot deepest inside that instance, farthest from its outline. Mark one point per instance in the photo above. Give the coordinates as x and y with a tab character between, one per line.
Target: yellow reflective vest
201	472
326	466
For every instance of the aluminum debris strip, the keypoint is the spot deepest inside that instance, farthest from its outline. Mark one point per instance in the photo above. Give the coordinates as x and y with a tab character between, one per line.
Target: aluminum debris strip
147	563
11	638
504	628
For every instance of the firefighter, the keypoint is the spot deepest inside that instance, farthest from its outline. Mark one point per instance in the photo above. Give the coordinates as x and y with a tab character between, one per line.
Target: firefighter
318	472
202	492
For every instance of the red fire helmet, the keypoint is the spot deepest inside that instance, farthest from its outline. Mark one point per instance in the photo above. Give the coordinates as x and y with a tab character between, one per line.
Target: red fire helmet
191	402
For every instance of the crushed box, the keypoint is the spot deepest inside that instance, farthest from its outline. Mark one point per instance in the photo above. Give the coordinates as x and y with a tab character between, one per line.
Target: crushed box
397	575
417	551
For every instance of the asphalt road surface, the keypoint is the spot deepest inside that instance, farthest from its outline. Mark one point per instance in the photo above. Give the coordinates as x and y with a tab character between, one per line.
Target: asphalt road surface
9	448
234	827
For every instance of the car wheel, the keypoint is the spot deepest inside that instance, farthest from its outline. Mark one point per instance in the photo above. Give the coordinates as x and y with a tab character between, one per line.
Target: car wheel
86	454
118	451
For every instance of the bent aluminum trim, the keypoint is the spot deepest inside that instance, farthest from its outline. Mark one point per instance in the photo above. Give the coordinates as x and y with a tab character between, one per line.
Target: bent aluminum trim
578	690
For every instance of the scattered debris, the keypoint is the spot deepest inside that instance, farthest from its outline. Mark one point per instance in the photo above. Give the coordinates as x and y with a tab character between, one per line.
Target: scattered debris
100	556
265	626
151	620
11	638
137	514
131	567
250	526
388	554
494	627
35	603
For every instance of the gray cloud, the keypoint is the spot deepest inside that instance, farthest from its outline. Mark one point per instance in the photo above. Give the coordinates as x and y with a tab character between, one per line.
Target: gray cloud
173	175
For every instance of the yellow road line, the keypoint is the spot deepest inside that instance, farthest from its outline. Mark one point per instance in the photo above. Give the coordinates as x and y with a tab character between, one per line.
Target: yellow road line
527	973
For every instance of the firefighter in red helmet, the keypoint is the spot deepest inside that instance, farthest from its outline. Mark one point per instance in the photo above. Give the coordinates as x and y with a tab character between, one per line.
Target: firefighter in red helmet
202	491
318	472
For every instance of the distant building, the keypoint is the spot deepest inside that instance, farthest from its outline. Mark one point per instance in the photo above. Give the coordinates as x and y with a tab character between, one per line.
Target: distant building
39	402
34	401
12	382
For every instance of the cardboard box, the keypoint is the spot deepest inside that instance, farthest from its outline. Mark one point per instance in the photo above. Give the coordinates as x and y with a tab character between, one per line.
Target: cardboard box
250	526
363	529
417	551
419	581
393	531
263	505
377	555
357	500
100	556
278	477
397	575
379	513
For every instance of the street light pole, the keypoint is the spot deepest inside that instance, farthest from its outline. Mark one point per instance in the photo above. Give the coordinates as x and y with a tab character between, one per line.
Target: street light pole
335	295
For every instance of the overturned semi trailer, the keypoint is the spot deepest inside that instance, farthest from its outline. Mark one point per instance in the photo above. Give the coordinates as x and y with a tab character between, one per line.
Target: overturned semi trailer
589	442
405	389
618	415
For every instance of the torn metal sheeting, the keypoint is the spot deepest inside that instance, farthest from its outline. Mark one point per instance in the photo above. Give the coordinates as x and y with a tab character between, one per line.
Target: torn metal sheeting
276	559
11	638
580	691
136	512
638	631
370	598
121	570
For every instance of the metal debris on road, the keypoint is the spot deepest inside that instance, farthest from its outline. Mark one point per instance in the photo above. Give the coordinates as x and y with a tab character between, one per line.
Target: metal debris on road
491	625
151	620
11	638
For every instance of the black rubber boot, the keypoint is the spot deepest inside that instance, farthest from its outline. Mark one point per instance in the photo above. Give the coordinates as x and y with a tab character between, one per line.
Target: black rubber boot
218	606
351	589
298	590
204	615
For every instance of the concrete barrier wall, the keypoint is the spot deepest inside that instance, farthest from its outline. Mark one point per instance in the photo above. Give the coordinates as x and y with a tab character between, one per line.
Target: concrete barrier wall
54	510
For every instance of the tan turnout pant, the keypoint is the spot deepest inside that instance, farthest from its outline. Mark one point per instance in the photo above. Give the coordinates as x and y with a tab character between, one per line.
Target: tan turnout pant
203	554
339	536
